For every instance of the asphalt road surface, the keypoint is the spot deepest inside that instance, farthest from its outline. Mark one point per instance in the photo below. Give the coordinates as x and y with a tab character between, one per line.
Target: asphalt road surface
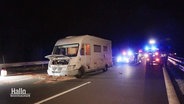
121	84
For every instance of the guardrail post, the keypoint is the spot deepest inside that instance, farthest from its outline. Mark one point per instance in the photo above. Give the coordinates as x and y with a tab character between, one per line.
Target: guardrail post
3	59
3	72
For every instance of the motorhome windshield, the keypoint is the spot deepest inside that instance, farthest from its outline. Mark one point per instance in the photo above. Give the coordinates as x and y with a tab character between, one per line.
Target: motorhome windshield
69	50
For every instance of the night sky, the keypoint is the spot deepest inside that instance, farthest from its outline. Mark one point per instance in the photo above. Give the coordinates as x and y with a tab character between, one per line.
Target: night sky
29	29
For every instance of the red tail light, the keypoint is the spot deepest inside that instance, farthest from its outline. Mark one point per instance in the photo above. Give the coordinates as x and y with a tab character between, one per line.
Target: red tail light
148	59
157	59
156	53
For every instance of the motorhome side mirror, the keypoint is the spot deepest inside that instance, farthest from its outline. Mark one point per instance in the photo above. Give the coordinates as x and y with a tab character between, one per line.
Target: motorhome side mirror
47	56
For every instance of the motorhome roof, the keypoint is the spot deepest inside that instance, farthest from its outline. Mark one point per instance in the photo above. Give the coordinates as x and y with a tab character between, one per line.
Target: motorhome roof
75	39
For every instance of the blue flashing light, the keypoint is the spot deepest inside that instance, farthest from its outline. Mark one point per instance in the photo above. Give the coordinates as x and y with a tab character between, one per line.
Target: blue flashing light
153	48
130	53
119	59
146	48
125	59
122	59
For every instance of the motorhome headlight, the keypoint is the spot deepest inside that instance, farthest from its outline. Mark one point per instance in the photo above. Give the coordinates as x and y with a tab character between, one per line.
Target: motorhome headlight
49	65
70	67
49	72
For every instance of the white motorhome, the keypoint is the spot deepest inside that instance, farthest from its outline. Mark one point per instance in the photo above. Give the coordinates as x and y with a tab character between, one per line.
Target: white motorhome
75	55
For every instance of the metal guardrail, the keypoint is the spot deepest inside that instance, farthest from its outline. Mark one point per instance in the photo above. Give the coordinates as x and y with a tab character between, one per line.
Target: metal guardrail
23	64
177	61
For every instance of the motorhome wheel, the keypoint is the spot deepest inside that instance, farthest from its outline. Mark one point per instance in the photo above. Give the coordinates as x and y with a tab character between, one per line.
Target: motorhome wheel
80	73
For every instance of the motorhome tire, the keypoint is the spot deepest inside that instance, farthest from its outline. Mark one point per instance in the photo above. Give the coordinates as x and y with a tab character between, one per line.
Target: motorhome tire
106	68
80	73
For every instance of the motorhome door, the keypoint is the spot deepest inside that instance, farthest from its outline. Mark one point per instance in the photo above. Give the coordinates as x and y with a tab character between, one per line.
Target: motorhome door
86	55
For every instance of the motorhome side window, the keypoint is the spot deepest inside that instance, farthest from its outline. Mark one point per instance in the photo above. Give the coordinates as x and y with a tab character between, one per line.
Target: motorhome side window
85	49
66	50
88	51
105	48
97	48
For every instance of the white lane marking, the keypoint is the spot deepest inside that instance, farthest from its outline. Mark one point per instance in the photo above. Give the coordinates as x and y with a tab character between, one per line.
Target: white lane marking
171	94
62	93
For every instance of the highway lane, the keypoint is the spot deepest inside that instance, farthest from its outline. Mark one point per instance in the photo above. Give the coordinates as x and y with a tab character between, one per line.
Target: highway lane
121	84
